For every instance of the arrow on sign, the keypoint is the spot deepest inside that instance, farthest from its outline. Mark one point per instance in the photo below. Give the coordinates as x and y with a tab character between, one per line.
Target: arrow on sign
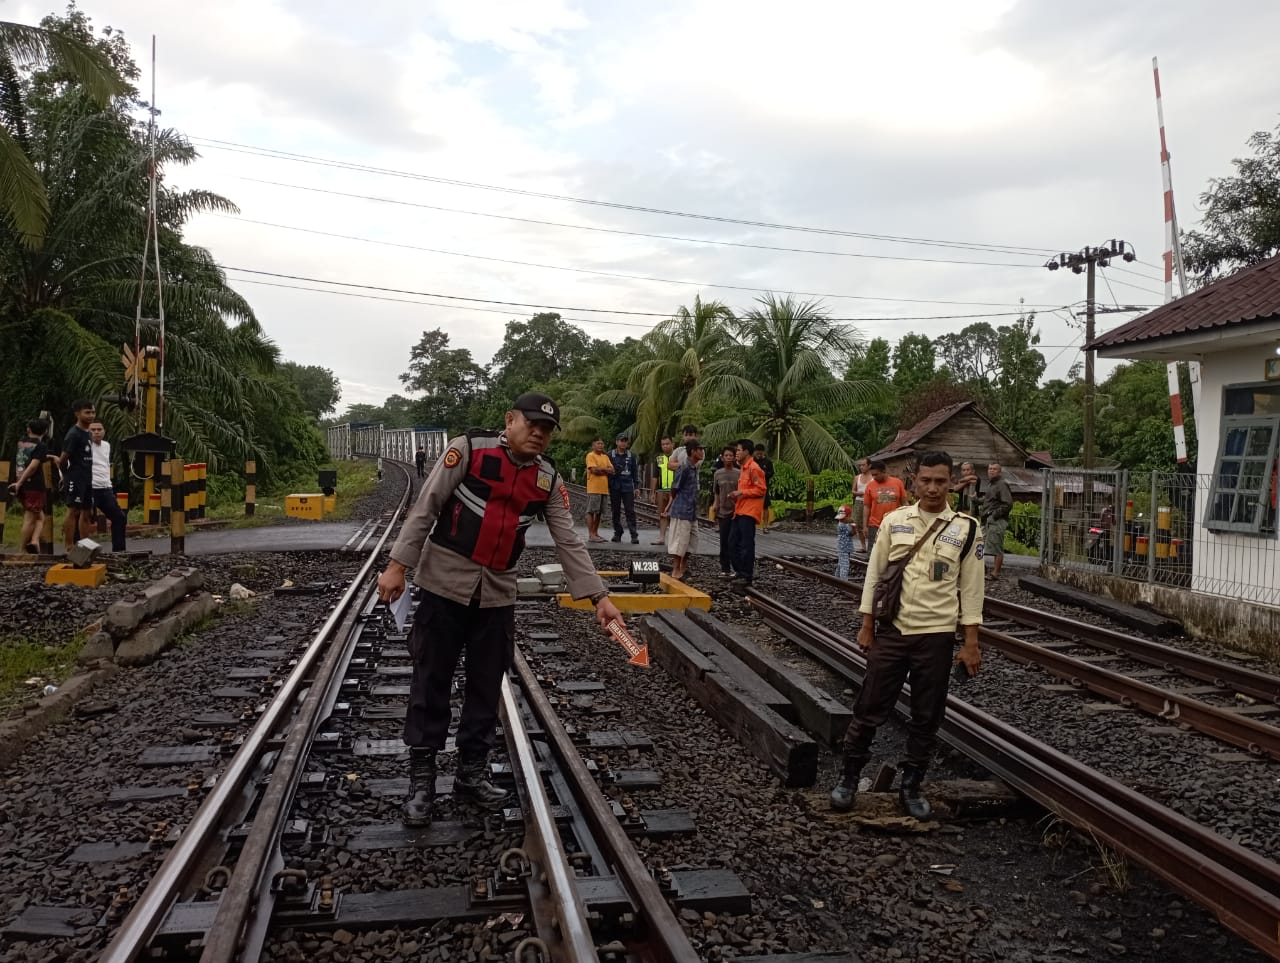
639	653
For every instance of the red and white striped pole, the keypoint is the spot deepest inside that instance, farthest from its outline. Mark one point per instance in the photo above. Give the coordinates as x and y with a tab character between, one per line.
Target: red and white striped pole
1172	253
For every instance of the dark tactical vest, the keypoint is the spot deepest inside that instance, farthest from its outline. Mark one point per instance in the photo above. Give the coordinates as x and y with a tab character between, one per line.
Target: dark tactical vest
486	516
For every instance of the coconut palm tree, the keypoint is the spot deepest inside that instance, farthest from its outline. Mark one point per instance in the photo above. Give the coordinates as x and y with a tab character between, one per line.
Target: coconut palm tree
23	198
779	375
682	348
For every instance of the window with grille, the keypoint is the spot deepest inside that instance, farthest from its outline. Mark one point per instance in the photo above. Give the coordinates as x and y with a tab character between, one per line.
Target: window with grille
1243	496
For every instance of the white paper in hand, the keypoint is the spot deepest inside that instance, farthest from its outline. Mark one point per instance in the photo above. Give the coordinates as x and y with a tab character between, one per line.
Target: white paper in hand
400	610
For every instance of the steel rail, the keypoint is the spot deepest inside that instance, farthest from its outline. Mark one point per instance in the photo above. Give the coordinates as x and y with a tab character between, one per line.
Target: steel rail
665	941
1236	884
1238	678
1222	724
135	934
569	934
1251	682
242	921
1257	737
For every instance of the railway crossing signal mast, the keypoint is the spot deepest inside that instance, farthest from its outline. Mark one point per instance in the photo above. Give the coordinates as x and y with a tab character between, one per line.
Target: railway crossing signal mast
1086	261
144	367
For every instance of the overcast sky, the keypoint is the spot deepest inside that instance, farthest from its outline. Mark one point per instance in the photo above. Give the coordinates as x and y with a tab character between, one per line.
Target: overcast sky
1011	124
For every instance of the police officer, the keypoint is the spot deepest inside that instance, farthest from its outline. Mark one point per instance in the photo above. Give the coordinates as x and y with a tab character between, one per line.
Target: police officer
462	541
942	584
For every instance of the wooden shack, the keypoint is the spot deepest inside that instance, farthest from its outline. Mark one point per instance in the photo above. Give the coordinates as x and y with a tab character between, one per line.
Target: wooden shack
967	434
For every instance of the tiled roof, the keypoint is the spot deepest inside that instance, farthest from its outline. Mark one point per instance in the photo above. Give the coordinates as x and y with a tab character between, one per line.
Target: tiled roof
906	439
1249	296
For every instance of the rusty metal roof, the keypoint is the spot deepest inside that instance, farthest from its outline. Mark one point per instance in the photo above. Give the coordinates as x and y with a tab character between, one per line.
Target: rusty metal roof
906	438
1251	295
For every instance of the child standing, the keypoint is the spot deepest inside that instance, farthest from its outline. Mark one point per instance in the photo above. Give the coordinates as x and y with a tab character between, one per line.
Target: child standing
844	541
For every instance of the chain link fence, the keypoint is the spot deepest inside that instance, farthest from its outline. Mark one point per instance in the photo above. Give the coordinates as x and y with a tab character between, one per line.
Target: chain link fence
1151	526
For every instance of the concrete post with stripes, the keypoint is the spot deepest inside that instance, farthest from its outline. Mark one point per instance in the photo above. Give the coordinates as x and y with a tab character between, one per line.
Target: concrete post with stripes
250	487
165	484
178	514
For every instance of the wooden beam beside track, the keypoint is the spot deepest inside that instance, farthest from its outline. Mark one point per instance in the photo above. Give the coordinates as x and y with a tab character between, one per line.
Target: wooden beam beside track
785	748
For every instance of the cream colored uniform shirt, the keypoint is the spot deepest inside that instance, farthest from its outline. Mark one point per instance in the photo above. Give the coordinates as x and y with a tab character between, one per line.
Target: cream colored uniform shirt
928	604
444	572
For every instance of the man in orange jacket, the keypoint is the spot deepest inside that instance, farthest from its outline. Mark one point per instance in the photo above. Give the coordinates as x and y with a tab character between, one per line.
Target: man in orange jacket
748	511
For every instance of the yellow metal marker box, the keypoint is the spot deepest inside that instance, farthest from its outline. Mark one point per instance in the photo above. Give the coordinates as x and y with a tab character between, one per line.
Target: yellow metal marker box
304	506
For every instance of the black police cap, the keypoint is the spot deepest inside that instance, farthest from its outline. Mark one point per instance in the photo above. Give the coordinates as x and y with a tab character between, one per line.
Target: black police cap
537	407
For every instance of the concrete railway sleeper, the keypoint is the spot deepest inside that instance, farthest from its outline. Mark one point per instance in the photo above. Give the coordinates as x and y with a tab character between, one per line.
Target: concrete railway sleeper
1240	887
231	912
284	718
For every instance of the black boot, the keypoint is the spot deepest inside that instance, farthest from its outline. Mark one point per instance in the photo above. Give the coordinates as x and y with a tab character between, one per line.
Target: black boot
422	788
846	789
909	796
471	782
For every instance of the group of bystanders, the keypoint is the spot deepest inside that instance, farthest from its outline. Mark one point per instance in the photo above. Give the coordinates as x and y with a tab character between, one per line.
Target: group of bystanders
83	466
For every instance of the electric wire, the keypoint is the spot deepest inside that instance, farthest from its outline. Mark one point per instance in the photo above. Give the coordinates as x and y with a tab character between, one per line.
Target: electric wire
619	231
468	307
613	274
582	310
293	156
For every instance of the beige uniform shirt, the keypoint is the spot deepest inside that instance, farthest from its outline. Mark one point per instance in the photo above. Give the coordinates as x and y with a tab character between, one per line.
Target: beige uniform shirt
929	604
446	573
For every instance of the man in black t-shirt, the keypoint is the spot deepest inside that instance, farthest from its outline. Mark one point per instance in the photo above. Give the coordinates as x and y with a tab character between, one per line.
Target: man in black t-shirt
420	461
77	469
29	487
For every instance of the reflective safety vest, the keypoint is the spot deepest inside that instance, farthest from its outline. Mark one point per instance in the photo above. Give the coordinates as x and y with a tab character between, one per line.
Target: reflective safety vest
486	516
666	477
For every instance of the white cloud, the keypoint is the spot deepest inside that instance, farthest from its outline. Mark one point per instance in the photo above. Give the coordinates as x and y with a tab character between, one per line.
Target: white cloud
987	121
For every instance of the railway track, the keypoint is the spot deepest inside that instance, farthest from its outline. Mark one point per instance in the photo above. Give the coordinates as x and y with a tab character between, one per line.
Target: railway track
1041	640
243	869
1239	886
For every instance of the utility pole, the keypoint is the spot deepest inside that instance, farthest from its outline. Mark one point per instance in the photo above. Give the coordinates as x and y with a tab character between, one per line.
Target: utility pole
1086	261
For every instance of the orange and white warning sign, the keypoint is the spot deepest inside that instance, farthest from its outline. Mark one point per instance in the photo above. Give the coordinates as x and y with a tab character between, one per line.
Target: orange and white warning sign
639	653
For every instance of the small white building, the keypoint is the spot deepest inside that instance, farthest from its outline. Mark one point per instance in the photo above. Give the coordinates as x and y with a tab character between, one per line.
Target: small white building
1232	328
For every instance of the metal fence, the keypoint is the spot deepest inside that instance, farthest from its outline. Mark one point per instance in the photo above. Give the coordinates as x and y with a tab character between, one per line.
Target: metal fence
1158	527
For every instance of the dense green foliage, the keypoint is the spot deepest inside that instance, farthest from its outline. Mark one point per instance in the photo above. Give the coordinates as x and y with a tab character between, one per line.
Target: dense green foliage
1241	224
783	374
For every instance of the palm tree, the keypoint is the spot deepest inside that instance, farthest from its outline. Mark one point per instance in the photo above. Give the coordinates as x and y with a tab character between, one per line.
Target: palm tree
23	197
682	349
779	375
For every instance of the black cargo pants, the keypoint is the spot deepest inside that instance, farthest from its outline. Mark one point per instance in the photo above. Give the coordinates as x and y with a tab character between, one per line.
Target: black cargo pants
924	661
442	630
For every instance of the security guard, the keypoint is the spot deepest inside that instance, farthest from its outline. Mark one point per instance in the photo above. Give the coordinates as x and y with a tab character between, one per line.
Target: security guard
663	476
942	584
462	540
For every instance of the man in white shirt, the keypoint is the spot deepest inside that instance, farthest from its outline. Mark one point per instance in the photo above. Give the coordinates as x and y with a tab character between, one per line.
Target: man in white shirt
104	494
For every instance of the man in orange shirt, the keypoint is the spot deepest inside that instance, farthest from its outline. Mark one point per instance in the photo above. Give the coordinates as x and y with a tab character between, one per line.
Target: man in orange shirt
599	468
883	494
748	510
